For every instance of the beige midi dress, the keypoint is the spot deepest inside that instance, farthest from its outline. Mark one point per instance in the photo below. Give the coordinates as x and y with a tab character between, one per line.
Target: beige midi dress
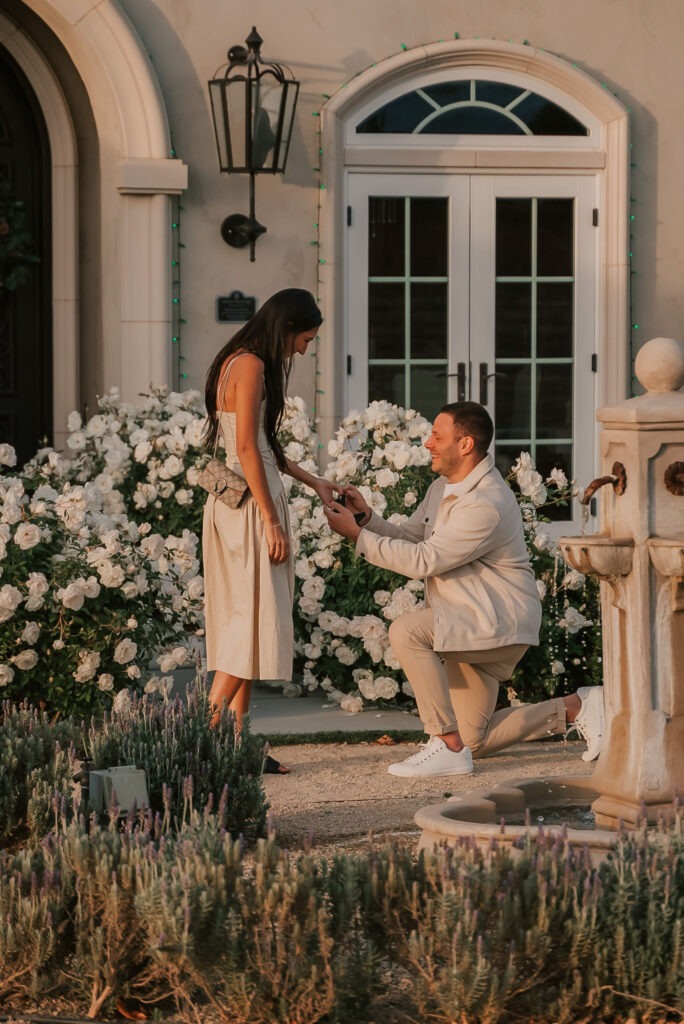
248	599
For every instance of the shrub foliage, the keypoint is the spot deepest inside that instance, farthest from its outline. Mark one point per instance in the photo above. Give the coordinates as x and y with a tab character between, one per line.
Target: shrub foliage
454	936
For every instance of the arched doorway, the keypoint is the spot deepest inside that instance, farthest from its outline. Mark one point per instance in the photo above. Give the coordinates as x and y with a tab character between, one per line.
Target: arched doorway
26	415
475	228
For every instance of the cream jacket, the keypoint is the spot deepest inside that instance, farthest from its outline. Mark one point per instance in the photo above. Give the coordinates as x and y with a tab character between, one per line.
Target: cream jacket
469	548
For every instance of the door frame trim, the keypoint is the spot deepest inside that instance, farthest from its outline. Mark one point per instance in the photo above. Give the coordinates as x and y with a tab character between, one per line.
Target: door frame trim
613	261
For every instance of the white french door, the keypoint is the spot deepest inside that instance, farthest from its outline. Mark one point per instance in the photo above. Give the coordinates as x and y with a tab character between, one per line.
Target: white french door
481	288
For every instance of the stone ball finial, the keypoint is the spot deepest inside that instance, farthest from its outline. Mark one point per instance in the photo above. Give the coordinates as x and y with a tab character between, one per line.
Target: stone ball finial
659	365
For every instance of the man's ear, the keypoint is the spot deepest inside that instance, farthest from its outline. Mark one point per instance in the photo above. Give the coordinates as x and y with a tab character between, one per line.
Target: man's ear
468	444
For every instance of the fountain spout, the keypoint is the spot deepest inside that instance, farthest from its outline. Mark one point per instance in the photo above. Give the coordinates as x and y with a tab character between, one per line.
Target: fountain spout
618	479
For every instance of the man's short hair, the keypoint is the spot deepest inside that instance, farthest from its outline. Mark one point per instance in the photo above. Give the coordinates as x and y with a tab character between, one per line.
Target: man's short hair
474	421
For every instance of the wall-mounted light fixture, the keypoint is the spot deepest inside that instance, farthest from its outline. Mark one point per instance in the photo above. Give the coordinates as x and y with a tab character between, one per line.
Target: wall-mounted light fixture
253	108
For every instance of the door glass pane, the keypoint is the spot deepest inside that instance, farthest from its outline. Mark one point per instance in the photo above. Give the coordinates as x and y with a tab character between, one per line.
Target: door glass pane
428	390
513	406
513	321
428	321
408	315
513	237
387	383
552	455
428	237
554	319
385	321
555	230
385	236
554	401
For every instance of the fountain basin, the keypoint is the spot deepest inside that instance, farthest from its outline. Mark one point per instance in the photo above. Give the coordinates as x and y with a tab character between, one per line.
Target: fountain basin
510	811
599	554
667	555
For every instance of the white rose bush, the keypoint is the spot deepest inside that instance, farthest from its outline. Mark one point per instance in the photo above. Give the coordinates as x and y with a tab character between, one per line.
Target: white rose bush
100	559
87	595
569	651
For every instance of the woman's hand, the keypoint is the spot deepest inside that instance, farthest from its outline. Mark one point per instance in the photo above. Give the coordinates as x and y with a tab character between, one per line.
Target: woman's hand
326	490
278	544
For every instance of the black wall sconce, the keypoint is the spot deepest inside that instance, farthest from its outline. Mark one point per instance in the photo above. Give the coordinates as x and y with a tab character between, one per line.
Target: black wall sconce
253	108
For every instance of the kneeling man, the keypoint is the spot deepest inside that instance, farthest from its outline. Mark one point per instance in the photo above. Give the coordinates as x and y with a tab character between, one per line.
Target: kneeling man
482	610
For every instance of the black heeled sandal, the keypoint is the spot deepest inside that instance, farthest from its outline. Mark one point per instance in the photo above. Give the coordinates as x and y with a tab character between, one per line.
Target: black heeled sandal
273	767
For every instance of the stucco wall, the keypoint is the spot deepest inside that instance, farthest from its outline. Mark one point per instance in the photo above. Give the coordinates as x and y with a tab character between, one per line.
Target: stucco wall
633	46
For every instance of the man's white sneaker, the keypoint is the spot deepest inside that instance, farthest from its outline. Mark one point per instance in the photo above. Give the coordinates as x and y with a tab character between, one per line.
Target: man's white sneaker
434	758
590	721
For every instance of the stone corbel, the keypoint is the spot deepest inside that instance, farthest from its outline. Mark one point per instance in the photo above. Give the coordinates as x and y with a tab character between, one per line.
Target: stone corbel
152	176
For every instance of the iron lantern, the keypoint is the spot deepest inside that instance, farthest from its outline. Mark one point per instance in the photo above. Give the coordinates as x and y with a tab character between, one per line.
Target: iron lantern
253	106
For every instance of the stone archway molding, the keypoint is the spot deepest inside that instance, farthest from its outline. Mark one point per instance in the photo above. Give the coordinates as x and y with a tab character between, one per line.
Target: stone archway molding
610	160
137	179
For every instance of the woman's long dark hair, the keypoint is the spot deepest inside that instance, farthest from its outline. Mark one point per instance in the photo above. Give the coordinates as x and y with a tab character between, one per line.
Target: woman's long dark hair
266	334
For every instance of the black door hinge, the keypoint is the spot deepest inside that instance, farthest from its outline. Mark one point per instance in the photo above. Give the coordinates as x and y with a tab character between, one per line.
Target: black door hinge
594	362
349	216
349	366
594	217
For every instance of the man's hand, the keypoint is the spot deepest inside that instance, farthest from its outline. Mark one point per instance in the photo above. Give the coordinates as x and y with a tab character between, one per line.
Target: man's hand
356	504
342	521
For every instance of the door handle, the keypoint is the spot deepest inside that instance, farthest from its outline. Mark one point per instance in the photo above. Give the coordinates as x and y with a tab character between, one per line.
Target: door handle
461	381
484	379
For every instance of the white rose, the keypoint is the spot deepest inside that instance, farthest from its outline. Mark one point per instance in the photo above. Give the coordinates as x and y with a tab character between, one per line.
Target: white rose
142	451
125	651
183	496
10	599
88	664
91	588
346	655
557	668
573	620
74	421
352	705
390	659
133	672
76	441
31	633
97	426
26	659
27	535
6	675
558	477
541	589
72	596
386	687
410	499
195	588
170	467
8	457
386	477
122	702
58	644
105	682
111	575
573	580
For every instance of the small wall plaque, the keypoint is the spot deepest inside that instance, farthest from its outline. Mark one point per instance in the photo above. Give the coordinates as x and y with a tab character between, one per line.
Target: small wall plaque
235	308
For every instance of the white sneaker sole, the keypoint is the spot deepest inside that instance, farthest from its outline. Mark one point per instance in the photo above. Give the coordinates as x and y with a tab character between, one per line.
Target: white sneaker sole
412	773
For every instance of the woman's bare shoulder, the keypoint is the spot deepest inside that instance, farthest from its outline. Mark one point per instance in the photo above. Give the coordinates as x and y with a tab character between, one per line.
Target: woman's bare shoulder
247	365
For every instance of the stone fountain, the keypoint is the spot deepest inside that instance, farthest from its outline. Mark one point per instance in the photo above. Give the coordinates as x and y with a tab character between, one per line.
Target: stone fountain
638	556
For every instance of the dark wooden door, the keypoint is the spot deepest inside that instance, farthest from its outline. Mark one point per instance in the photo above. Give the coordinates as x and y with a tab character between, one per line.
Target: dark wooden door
25	310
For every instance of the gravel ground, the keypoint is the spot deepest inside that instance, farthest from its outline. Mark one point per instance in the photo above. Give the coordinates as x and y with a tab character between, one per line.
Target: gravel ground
338	794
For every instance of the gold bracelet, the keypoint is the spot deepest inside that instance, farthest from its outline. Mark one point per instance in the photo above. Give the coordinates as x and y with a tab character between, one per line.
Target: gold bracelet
273	526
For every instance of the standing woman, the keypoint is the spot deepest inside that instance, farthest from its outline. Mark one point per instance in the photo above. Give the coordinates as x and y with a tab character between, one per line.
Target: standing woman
248	568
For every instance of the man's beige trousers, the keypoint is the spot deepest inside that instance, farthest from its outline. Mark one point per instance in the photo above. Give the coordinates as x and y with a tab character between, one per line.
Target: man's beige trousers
459	689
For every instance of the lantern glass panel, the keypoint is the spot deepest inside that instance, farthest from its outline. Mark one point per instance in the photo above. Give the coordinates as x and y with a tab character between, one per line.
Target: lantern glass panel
287	111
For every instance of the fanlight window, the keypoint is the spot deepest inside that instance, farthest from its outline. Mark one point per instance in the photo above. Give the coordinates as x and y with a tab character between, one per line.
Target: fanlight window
472	108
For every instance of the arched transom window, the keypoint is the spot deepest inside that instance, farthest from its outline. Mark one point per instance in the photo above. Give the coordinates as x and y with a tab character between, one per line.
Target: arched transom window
471	107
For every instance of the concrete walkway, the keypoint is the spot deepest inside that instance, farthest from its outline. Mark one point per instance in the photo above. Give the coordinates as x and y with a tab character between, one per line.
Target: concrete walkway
272	714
